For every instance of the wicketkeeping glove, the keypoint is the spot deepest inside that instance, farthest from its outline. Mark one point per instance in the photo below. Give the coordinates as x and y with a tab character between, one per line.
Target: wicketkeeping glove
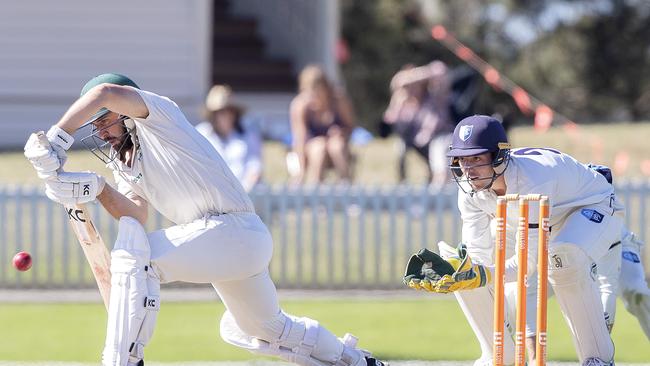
424	269
428	271
466	275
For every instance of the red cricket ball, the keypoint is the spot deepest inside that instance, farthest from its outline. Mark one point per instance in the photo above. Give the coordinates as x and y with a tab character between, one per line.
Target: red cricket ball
22	261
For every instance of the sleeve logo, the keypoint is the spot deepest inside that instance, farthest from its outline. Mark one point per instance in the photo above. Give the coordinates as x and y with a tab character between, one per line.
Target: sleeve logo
631	256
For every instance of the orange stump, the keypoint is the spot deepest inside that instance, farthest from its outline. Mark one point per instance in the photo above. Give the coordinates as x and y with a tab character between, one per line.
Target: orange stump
522	279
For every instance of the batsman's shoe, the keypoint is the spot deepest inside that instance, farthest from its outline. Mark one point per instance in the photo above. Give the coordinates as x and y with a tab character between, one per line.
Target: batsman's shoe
371	361
139	363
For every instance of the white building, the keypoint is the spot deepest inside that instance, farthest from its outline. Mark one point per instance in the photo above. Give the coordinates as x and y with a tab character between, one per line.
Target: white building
49	49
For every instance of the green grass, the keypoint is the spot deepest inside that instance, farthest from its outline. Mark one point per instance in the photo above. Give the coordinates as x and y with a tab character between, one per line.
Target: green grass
377	161
406	329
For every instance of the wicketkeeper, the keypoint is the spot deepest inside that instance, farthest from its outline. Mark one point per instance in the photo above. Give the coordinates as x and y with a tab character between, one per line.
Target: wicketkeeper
585	221
159	159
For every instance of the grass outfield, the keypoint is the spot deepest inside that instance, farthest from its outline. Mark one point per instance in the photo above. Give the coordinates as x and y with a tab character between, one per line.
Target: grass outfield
405	329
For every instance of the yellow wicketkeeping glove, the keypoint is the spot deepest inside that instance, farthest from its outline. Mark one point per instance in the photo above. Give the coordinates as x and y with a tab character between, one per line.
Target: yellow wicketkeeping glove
466	275
424	269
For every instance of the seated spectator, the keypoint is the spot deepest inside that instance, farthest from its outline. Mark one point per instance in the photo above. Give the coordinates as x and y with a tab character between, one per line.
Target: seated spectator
420	113
240	149
321	124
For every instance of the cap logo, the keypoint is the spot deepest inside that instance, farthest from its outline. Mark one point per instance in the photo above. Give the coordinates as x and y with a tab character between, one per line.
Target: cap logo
465	132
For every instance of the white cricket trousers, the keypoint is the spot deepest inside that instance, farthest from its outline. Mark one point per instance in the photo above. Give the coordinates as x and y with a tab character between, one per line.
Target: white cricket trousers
230	251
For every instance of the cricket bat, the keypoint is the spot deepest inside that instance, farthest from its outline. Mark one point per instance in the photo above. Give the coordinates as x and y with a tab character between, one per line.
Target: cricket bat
91	243
93	246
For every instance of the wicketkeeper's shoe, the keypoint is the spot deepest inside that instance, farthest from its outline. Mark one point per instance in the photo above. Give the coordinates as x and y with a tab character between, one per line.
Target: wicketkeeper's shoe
371	361
595	361
140	363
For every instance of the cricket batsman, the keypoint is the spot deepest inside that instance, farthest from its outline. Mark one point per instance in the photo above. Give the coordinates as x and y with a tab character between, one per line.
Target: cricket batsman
585	221
160	160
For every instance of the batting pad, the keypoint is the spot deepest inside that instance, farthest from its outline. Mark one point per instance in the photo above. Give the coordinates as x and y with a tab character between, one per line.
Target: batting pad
134	300
299	353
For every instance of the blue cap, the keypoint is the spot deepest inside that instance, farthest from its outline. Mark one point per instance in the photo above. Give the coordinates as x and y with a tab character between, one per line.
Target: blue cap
476	135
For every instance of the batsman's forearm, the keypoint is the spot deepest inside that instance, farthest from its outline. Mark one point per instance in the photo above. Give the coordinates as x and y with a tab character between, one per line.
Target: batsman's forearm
119	205
81	110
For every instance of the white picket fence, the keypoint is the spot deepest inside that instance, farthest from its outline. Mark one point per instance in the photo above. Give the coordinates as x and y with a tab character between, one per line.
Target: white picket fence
333	237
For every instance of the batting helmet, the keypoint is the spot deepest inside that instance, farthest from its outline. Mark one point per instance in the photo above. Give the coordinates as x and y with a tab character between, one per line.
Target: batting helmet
109	78
92	141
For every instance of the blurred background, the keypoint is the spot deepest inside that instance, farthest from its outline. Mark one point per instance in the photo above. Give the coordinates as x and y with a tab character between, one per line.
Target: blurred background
377	86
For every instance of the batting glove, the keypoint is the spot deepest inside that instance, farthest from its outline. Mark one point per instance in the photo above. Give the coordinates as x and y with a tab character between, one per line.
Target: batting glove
46	152
74	188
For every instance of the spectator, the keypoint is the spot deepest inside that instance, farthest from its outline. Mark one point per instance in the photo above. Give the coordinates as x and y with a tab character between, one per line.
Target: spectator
420	112
240	148
321	124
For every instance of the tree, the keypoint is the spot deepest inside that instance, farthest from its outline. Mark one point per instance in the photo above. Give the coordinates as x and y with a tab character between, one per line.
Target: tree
589	61
382	35
617	73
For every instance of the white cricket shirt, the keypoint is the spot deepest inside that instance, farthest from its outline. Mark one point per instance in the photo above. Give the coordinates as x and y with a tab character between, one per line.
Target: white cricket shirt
176	169
568	183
